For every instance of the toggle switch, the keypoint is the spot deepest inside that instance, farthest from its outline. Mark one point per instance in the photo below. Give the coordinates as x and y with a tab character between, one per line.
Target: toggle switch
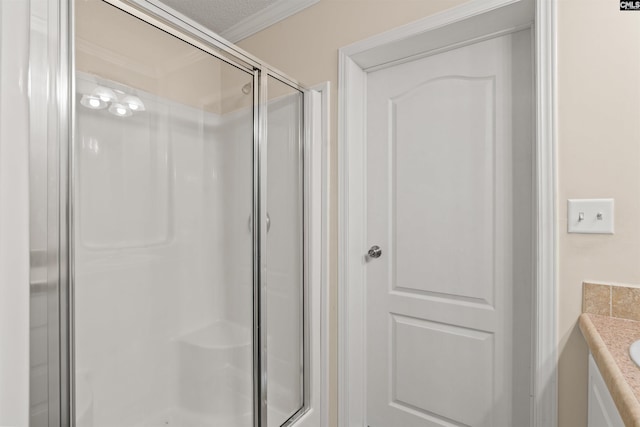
590	216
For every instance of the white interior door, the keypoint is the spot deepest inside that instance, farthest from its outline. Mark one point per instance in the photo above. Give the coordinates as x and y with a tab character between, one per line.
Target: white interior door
446	136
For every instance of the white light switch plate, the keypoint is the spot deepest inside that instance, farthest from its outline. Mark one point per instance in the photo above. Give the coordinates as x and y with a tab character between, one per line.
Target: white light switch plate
591	216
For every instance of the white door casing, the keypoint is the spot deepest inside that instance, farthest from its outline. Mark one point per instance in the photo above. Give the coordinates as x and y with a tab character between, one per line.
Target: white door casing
440	149
317	120
431	35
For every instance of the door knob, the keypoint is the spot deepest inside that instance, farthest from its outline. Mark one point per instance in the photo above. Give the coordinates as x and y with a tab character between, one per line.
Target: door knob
375	251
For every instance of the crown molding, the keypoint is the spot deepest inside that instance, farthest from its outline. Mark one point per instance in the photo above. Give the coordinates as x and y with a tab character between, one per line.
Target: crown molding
96	50
268	16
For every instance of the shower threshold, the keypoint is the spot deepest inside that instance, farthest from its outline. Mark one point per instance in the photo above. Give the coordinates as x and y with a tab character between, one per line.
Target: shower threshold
184	418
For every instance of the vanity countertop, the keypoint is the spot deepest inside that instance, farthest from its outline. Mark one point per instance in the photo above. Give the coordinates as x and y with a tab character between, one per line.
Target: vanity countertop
609	339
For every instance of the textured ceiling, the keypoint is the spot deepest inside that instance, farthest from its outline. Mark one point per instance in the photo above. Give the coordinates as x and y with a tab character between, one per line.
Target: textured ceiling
218	15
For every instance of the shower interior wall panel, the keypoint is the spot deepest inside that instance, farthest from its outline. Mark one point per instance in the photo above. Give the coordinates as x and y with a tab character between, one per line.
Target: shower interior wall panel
234	204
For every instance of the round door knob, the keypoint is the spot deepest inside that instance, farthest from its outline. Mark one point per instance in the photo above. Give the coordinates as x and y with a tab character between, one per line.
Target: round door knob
375	252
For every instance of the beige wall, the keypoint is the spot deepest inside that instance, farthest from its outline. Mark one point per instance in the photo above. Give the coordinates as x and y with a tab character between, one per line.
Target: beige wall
599	140
599	156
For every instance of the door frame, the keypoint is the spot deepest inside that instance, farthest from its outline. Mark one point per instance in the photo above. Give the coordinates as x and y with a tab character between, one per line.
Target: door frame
470	22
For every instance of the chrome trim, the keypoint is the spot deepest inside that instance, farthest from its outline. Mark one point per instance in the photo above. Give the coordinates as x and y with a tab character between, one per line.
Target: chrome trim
374	252
255	217
260	246
68	362
304	306
305	186
59	34
44	192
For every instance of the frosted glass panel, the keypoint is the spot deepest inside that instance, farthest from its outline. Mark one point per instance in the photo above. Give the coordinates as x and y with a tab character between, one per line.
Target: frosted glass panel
284	290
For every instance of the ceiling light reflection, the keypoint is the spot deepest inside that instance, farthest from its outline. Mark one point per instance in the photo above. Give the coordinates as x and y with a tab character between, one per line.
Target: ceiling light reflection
119	110
105	94
92	102
133	102
120	103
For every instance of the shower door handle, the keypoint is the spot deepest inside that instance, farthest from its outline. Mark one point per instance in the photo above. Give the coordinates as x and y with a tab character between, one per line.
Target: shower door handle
250	223
374	252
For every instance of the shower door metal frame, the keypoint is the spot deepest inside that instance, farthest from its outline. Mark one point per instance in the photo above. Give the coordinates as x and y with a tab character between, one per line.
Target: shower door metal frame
59	200
303	187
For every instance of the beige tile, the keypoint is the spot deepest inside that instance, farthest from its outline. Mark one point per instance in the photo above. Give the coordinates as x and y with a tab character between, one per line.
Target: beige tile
625	302
596	299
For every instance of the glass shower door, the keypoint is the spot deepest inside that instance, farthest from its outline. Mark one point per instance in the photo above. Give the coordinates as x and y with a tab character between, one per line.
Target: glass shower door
162	238
285	279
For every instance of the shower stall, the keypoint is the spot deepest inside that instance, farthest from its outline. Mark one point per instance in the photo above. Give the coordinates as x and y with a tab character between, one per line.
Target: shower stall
182	263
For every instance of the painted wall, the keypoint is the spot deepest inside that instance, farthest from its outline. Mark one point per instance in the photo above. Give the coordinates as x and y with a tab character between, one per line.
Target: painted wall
599	141
599	156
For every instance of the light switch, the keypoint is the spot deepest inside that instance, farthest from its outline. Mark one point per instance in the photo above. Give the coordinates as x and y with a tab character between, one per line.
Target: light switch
591	216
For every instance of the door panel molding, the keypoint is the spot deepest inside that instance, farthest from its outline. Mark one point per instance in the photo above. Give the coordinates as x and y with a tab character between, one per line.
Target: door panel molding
469	21
406	221
473	348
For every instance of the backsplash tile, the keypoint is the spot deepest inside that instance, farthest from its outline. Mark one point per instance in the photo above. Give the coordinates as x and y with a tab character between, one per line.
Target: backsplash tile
625	302
596	299
611	300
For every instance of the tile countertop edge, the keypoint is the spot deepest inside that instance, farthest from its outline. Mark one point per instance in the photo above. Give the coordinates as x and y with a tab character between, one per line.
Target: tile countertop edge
622	394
